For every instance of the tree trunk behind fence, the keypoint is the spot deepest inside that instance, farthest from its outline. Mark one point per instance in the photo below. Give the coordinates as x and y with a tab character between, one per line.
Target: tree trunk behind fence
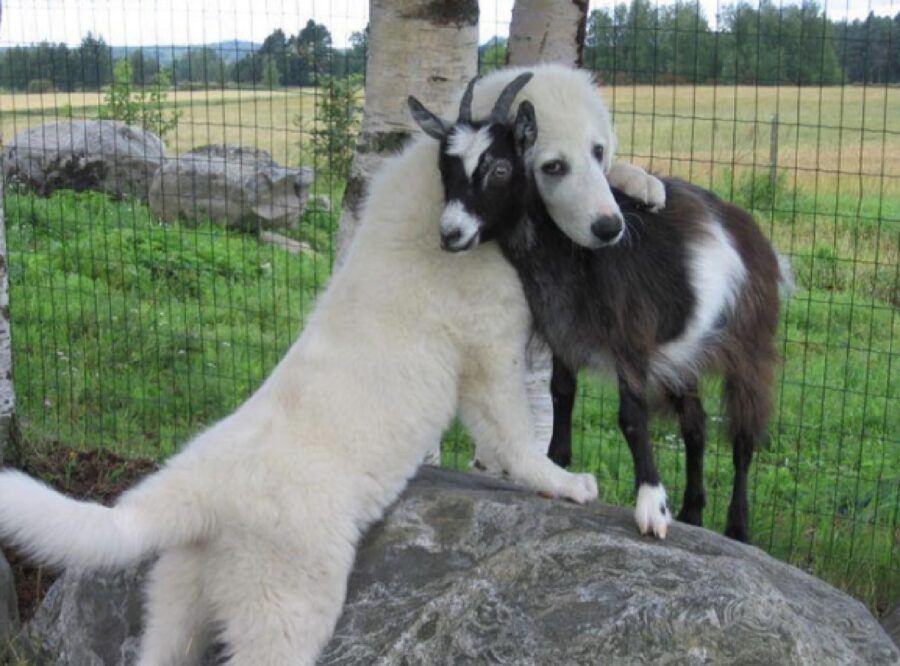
7	392
545	31
420	47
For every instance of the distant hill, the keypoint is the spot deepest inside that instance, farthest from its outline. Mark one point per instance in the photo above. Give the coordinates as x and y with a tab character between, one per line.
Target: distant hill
229	51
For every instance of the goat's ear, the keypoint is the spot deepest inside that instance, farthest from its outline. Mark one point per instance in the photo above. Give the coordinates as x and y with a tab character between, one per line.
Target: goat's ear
430	123
525	130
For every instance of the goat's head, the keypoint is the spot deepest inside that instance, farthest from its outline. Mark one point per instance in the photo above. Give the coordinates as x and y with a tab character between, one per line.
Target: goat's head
487	167
482	169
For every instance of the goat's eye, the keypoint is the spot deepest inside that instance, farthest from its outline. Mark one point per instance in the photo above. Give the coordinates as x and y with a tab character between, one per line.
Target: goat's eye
598	153
554	168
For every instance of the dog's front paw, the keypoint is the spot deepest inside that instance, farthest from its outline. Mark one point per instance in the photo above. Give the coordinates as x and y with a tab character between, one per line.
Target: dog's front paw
656	193
652	513
639	185
579	488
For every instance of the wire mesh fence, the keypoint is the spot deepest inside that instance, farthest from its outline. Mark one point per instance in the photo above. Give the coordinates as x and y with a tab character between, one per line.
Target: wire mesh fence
131	334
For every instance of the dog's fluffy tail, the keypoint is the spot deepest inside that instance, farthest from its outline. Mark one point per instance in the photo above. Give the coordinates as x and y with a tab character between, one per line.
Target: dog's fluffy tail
56	530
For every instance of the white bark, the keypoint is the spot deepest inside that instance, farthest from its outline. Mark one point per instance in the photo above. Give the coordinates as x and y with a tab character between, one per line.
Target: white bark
7	392
419	47
545	31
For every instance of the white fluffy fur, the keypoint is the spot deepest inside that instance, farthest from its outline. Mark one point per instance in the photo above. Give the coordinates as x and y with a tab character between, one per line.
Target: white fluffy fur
572	118
258	518
652	513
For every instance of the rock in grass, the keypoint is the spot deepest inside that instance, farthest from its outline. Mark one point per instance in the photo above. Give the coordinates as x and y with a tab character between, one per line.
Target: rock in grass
104	155
469	570
236	186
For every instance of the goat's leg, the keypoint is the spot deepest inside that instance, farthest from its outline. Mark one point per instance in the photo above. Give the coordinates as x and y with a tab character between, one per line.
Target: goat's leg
652	511
692	422
747	392
737	525
563	385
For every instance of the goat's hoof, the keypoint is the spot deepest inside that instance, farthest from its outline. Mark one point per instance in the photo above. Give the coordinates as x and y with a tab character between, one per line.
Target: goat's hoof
652	513
690	516
738	533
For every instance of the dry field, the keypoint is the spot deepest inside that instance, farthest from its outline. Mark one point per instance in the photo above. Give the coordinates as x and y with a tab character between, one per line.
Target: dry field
844	140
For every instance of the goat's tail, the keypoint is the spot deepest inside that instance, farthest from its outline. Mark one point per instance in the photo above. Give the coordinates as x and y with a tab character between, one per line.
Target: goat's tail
786	284
53	529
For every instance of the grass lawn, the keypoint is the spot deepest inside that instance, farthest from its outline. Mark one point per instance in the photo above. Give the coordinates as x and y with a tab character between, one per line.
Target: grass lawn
130	335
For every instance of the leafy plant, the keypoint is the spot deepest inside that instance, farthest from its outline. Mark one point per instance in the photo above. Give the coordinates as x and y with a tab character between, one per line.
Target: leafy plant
139	107
333	131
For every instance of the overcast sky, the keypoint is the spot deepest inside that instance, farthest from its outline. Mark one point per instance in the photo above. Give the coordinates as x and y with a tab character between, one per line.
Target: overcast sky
144	22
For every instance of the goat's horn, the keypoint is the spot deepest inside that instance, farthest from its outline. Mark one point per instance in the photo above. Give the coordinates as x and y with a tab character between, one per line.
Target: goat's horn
504	102
465	104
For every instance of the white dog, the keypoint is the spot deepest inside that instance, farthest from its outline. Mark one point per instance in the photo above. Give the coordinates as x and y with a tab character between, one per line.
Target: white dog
257	519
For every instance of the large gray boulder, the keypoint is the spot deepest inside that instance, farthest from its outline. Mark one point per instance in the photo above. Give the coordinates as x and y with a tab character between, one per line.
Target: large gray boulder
104	155
234	185
470	570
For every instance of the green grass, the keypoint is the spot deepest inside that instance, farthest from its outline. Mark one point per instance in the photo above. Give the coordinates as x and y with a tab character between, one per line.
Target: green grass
132	335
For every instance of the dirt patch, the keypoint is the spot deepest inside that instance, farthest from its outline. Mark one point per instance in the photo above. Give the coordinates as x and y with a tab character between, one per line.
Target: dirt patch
93	475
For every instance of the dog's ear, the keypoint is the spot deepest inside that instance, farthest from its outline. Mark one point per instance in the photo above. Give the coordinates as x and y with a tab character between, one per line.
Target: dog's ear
525	130
430	123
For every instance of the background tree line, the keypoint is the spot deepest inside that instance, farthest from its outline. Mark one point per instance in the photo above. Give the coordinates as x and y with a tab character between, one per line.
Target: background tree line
636	42
281	60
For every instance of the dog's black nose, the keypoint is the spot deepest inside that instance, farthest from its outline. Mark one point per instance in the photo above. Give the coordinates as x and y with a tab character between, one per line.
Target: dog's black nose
607	228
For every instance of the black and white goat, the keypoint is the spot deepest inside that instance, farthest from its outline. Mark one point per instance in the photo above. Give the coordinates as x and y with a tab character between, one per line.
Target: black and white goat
671	295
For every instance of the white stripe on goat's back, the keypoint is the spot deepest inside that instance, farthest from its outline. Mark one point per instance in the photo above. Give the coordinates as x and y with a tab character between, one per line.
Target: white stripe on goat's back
717	275
468	144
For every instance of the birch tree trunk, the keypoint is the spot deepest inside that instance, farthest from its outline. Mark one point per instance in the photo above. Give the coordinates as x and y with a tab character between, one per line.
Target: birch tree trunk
7	392
545	31
420	47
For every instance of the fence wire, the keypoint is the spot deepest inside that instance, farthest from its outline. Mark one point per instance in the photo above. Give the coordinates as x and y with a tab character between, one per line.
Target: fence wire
131	334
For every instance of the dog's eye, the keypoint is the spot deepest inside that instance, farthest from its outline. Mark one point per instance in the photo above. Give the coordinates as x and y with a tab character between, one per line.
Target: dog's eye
598	153
554	168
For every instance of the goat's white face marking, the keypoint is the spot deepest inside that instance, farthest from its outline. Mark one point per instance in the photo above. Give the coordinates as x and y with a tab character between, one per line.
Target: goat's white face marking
469	144
459	228
580	196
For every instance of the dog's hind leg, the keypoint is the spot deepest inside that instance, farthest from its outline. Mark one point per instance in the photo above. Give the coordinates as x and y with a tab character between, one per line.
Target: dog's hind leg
177	629
278	604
